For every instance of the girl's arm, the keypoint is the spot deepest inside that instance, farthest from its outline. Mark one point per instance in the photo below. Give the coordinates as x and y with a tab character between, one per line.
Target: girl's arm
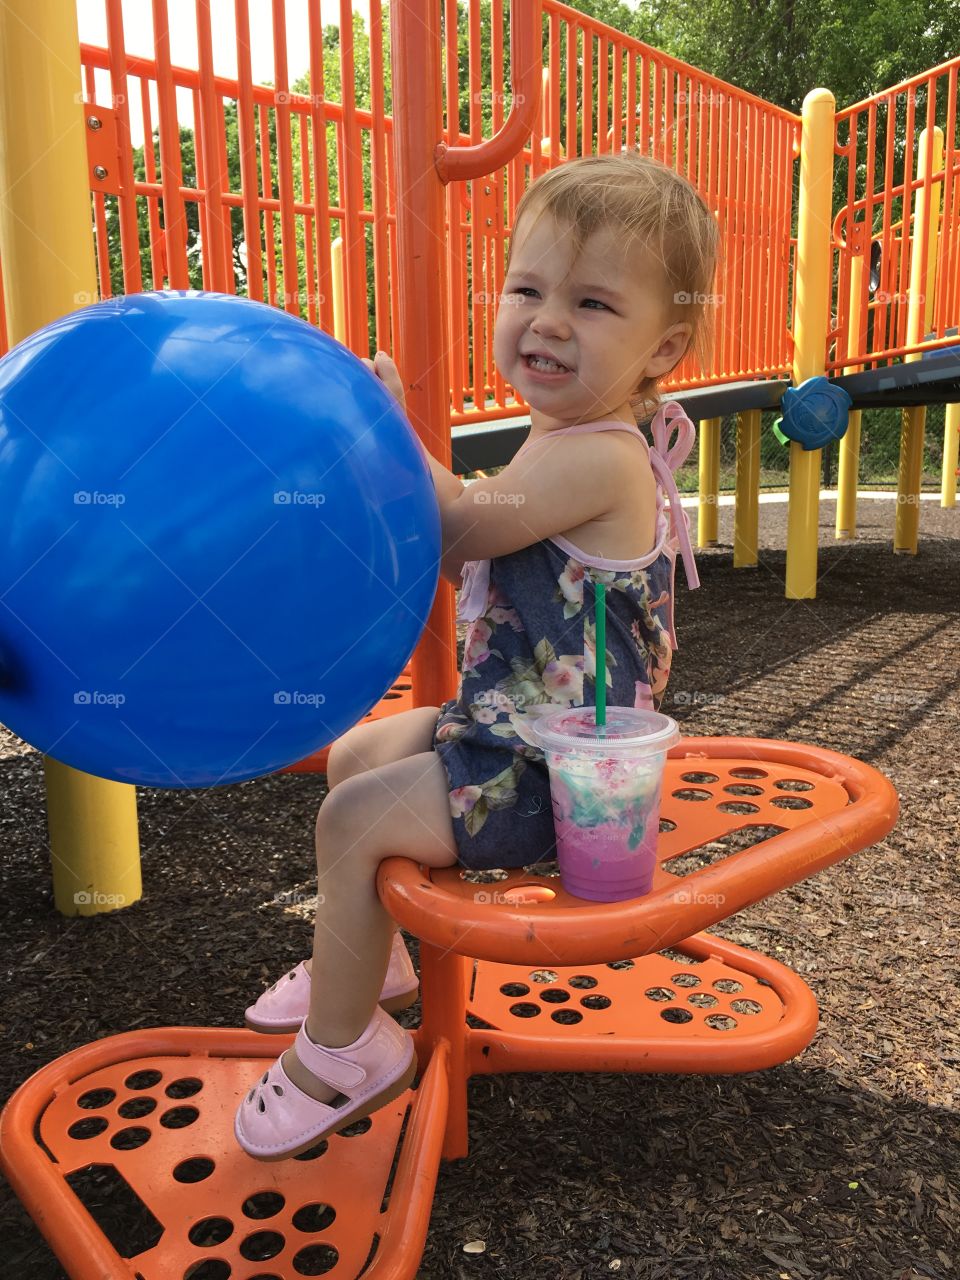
447	485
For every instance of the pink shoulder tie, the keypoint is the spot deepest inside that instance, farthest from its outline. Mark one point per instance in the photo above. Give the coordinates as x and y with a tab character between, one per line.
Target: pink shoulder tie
475	585
664	459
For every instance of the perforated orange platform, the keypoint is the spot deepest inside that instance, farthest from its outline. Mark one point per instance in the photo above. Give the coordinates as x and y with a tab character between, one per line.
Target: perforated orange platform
516	975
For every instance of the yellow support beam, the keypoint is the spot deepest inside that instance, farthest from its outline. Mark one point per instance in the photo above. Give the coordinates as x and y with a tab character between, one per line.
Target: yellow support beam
746	515
48	266
951	456
919	316
811	315
707	512
849	469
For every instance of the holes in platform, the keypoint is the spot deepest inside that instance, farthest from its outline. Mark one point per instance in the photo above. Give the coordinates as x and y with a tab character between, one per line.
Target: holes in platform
136	1108
692	793
484	877
660	994
179	1117
720	1022
699	777
145	1079
208	1269
555	996
356	1129
388	1189
791	802
315	1260
262	1245
685	980
748	773
194	1170
793	784
671	953
94	1099
746	1006
541	975
738	806
620	964
583	981
264	1204
667	825
525	1010
314	1217
676	1015
514	989
728	985
131	1138
743	789
703	1000
567	1017
596	1002
185	1087
210	1231
714	851
87	1128
478	1024
313	1153
546	869
116	1209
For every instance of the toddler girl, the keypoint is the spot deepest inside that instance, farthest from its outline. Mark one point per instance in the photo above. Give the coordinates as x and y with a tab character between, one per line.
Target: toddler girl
610	264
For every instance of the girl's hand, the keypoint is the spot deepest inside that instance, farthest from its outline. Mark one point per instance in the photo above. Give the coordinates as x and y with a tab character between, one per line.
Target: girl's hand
388	374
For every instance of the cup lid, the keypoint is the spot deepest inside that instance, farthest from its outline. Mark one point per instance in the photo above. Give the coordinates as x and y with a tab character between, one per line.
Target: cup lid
626	729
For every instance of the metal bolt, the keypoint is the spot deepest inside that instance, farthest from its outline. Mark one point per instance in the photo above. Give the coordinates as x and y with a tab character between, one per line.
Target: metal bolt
99	172
94	122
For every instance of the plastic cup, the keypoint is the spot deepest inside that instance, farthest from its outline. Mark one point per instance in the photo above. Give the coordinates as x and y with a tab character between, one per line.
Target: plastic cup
605	783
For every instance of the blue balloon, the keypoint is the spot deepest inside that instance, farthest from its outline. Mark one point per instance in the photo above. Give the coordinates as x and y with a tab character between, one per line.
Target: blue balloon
219	539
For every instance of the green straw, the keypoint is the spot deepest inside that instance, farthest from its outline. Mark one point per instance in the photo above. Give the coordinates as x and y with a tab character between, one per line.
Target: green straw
601	662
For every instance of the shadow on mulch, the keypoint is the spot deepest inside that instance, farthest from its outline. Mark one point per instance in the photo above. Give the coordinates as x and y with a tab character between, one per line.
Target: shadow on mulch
842	1163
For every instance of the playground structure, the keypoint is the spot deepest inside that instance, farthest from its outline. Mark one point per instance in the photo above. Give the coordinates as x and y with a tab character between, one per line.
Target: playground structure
471	184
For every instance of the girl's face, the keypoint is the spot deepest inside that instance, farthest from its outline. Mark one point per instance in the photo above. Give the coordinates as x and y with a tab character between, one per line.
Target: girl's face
601	318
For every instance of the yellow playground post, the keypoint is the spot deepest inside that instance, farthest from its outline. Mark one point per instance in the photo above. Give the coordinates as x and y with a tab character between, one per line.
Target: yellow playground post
47	247
811	316
849	469
708	524
746	512
919	315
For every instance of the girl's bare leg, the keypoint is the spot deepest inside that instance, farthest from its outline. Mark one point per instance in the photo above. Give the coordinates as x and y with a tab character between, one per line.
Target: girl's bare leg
399	810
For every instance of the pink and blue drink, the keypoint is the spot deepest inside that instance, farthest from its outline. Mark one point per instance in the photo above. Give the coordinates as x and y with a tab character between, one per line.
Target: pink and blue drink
605	783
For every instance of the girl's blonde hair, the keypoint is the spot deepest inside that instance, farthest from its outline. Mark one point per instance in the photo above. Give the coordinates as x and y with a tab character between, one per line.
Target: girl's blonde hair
652	206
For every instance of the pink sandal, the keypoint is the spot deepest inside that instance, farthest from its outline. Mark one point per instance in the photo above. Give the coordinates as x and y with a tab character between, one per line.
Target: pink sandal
282	1008
276	1119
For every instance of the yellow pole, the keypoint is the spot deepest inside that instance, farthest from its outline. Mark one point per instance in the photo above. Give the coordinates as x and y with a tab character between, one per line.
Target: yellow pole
48	267
850	444
707	512
746	515
951	456
919	314
336	272
811	315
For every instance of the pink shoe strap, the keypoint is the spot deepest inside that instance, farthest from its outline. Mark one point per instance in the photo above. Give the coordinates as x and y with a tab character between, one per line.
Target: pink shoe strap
328	1064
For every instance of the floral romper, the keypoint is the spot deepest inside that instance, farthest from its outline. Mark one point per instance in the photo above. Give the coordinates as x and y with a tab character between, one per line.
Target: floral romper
531	648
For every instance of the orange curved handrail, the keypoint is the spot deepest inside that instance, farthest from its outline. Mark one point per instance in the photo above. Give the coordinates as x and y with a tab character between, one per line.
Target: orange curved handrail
562	929
461	163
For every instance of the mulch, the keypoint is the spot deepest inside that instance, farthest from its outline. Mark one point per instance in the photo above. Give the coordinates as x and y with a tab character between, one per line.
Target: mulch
844	1162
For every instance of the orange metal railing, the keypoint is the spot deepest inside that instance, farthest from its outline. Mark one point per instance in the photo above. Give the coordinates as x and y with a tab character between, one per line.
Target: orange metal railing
298	164
880	156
